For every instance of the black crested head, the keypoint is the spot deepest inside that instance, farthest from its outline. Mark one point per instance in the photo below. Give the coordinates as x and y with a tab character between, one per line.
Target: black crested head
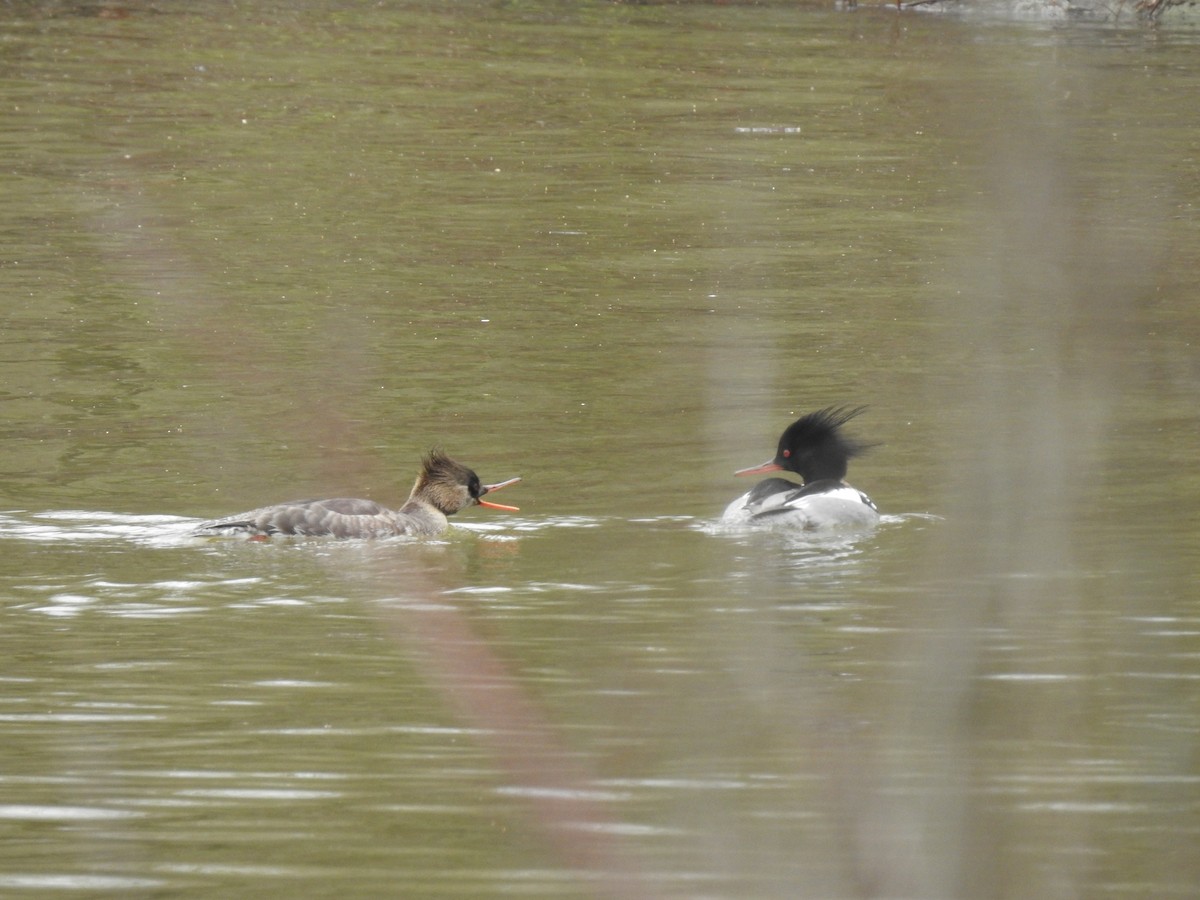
815	449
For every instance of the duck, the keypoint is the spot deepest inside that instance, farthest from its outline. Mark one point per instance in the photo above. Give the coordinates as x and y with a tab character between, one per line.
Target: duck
443	488
814	448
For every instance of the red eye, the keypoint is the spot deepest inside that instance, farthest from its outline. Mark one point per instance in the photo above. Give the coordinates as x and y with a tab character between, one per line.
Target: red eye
787	453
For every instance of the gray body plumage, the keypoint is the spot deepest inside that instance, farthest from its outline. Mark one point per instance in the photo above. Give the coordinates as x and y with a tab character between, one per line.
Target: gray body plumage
442	488
343	517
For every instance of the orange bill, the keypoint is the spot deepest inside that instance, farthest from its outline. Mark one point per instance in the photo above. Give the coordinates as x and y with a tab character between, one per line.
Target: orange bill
488	488
760	470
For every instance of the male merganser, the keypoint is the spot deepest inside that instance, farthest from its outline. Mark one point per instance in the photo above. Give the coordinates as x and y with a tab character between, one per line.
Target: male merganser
813	448
443	488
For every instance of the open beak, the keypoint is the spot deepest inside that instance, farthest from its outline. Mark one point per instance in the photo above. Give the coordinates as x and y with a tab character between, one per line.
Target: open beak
488	488
761	470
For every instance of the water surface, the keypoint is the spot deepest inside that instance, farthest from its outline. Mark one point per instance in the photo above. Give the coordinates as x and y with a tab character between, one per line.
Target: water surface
262	252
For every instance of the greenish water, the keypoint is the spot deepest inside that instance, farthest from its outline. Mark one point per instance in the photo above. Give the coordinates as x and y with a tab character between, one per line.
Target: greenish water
258	252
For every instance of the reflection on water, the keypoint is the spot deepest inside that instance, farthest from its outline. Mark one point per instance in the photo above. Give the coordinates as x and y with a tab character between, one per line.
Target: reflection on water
258	253
83	525
597	752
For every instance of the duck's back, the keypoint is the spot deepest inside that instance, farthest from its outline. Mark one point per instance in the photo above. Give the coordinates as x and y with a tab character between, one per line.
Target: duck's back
342	517
778	503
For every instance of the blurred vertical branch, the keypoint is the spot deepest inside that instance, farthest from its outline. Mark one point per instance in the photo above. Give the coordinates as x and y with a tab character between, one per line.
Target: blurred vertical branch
1040	311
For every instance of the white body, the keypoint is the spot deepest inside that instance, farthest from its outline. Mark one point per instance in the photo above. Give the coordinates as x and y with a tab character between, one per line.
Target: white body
838	507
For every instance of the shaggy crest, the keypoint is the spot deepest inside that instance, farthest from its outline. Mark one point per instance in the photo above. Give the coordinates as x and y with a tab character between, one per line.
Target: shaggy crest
814	447
448	485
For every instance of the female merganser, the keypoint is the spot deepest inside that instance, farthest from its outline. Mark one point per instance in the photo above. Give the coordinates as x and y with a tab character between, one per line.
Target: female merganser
443	488
814	449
